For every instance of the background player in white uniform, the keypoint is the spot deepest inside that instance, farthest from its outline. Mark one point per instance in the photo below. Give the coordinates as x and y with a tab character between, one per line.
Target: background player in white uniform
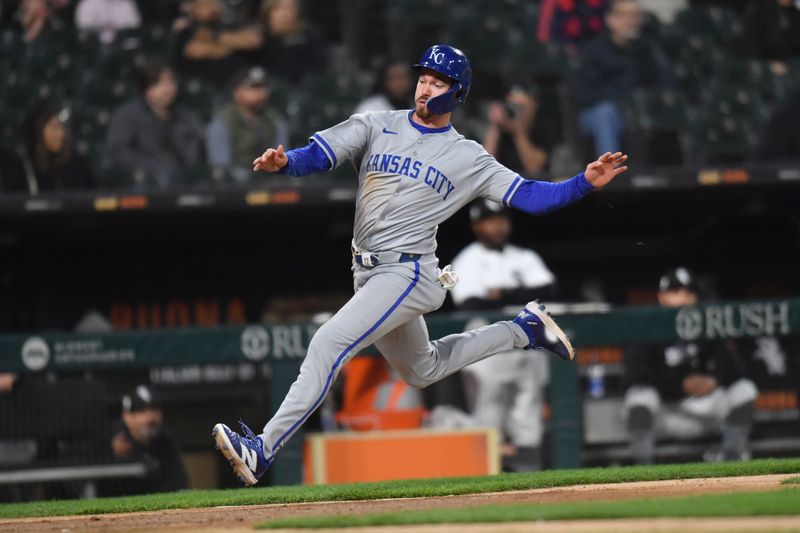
415	171
506	391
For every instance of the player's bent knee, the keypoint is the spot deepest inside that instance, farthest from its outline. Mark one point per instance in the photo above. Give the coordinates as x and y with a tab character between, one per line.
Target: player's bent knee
741	392
642	396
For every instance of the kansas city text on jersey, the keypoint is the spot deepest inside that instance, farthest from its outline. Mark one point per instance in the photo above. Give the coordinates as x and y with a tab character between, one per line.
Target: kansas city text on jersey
413	168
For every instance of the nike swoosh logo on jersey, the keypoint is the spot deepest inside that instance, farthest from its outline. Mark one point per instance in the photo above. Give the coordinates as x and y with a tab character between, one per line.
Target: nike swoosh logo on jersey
389	132
249	457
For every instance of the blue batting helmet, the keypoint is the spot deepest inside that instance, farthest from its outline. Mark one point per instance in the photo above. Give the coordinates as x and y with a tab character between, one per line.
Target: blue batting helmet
450	62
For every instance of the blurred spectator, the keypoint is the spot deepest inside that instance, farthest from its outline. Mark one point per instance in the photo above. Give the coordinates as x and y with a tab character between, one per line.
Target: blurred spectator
494	273
612	65
35	17
291	48
514	137
773	32
780	135
206	49
107	17
687	389
570	22
243	127
140	437
392	89
150	136
506	391
12	172
55	166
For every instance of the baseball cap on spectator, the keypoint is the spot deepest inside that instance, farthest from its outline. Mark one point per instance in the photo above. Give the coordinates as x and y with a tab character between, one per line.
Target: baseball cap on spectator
676	279
139	399
484	209
250	77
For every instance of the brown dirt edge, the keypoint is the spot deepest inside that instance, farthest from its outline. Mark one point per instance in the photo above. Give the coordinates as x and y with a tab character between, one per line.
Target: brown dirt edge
243	518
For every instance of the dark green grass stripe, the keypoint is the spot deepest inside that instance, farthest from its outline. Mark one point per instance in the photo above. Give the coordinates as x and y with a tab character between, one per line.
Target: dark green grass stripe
776	503
398	489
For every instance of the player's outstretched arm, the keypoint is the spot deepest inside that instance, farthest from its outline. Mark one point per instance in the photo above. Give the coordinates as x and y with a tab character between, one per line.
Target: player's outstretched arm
309	159
607	167
272	160
539	197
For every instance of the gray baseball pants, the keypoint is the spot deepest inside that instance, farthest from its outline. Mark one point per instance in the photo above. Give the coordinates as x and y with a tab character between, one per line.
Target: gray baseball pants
386	310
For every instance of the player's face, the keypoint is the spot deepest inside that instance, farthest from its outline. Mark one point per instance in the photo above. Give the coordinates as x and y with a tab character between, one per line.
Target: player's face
493	231
429	85
677	298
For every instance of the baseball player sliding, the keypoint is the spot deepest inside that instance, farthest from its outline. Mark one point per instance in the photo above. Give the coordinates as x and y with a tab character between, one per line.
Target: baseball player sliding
415	171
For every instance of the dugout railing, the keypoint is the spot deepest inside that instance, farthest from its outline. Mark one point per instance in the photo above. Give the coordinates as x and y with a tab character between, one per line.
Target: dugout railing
193	365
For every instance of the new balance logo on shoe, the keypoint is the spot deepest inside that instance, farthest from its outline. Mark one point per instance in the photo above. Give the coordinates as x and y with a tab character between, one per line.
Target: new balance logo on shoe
249	457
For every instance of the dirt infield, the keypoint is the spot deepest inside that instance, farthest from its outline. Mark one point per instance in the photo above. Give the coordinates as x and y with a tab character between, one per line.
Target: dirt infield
235	519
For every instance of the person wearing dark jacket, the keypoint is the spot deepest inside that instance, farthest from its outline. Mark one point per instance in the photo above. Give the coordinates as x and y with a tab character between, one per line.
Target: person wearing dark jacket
612	66
290	47
686	389
140	437
55	166
150	137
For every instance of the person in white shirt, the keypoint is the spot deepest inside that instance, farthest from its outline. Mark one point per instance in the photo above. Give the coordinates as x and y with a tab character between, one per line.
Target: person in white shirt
506	391
393	89
107	17
493	273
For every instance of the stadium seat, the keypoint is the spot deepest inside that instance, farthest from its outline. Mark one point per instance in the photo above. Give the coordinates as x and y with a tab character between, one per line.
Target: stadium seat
16	90
720	139
739	103
198	96
722	26
94	89
660	109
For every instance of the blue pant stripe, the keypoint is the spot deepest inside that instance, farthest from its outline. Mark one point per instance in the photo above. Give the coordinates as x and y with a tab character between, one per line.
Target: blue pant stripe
341	357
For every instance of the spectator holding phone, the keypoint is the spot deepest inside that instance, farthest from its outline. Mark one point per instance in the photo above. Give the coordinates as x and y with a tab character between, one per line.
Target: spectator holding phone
515	137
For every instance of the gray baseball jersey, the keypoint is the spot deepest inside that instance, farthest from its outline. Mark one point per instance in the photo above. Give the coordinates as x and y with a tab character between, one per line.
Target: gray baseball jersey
411	179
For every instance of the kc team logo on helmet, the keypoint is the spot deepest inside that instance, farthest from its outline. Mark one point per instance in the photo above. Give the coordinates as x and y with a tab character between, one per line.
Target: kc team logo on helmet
452	63
436	55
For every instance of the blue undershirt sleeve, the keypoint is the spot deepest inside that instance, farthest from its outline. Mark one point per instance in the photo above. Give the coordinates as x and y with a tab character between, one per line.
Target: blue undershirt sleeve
540	197
309	159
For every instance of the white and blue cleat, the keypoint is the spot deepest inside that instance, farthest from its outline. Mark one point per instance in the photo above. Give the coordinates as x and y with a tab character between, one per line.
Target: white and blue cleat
543	332
245	453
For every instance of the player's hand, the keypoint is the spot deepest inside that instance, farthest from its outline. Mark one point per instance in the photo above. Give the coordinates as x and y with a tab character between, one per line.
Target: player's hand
272	160
607	167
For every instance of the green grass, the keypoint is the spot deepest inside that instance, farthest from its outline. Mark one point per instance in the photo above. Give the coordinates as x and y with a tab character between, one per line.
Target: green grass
397	489
792	481
780	503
